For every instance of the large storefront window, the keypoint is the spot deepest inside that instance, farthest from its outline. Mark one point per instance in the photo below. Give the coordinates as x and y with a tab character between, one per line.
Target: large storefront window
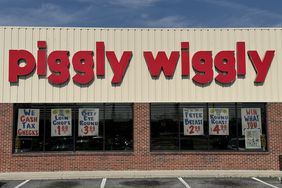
208	127
118	129
164	127
73	127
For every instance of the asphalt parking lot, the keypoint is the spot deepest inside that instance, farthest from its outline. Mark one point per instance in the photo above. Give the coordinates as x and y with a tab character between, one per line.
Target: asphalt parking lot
145	182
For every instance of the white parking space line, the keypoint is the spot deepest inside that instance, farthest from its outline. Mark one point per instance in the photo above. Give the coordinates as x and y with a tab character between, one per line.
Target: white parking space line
264	182
184	182
103	183
21	184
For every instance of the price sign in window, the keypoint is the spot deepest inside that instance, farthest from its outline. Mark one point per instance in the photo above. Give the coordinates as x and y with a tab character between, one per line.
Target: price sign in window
88	123
251	119
193	121
61	122
218	121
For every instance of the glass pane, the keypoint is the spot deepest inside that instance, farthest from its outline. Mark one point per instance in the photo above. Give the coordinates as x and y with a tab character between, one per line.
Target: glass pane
164	127
118	127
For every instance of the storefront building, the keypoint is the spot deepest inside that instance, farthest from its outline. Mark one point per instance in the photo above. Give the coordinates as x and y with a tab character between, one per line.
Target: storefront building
140	99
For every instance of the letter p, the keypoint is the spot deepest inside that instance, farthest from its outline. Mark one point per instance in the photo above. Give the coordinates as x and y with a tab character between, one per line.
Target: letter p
15	70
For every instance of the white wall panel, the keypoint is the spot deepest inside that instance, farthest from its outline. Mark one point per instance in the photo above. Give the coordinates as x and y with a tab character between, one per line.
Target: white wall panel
138	85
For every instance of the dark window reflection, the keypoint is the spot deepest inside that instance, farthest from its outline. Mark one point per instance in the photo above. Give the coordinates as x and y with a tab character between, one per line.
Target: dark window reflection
118	129
164	127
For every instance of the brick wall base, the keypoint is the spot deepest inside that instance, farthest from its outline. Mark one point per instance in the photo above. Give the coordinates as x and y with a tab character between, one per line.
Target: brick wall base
141	158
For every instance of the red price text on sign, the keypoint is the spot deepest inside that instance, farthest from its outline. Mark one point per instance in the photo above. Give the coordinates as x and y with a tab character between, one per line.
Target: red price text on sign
252	125
219	128
63	128
194	129
87	129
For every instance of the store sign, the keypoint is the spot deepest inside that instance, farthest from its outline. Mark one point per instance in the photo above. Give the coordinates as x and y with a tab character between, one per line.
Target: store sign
28	122
88	123
225	64
193	121
61	122
252	139
218	121
251	119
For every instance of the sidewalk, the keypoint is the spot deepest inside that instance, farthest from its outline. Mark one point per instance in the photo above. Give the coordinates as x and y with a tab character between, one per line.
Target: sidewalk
138	174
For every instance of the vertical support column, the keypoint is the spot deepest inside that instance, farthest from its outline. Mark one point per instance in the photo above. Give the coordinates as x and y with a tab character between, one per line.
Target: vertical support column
6	136
141	129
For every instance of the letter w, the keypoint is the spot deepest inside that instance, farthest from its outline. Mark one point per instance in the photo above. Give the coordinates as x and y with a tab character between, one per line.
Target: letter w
161	62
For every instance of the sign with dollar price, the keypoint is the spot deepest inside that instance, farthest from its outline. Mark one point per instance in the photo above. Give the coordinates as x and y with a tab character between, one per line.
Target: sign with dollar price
61	124
88	123
193	121
251	119
218	121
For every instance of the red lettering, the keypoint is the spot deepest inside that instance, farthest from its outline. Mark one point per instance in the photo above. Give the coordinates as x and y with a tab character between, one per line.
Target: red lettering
216	129
191	129
161	63
15	70
224	61
261	67
58	62
27	133
241	59
119	68
100	58
22	118
251	111
83	63
202	63
185	59
41	58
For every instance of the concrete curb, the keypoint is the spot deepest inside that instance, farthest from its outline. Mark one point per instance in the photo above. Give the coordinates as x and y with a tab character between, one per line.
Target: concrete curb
138	174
